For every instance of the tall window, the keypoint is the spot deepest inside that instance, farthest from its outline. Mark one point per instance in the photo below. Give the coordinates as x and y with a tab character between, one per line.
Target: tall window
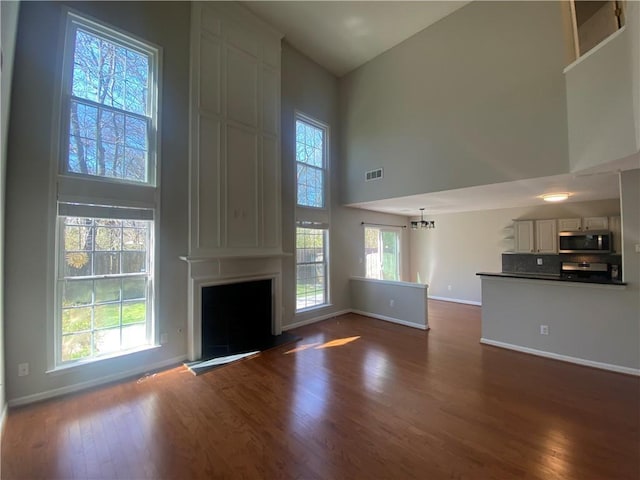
104	282
105	248
311	214
382	253
109	99
310	163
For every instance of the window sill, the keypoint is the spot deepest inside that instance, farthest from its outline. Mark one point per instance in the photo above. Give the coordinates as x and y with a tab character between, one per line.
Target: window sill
64	369
313	309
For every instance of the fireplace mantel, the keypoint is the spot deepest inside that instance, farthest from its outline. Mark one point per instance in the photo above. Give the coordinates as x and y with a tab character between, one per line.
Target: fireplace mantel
220	270
233	255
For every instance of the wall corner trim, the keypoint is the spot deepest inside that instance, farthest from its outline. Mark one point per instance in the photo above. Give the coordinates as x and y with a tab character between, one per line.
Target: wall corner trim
563	358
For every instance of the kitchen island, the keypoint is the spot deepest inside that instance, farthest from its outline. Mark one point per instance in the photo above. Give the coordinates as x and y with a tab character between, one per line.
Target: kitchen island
584	321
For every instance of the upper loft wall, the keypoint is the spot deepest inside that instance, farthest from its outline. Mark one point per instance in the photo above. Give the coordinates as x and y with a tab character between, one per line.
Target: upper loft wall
602	100
477	98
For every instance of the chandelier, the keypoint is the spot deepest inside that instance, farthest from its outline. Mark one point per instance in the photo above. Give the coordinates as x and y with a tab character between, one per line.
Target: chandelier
423	223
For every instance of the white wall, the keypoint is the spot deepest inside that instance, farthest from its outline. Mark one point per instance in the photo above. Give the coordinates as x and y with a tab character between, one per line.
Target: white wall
31	214
463	244
311	90
9	17
477	98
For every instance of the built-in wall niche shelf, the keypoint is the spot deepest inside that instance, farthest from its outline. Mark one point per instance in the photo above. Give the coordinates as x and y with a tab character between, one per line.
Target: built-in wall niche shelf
593	22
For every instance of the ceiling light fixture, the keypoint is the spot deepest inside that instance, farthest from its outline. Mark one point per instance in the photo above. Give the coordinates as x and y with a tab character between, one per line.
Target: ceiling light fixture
555	197
423	223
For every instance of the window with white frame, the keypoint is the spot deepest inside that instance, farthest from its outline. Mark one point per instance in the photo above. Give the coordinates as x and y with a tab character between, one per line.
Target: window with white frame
382	253
108	103
105	248
311	267
312	216
105	282
310	163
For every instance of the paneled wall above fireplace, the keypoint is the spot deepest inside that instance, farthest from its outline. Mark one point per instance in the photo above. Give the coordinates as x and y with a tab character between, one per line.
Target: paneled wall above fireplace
235	133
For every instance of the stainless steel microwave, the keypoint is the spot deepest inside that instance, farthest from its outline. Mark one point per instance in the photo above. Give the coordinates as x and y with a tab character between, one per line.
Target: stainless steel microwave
595	241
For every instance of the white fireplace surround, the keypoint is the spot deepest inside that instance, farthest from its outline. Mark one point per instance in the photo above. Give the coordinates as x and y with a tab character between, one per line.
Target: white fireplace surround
207	272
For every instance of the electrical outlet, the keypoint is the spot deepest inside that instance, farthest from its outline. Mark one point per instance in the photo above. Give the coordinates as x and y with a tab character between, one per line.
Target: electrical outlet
544	329
637	247
392	302
164	338
449	287
539	261
23	369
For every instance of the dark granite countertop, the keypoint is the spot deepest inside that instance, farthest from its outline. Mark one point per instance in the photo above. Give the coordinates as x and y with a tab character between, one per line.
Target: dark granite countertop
558	278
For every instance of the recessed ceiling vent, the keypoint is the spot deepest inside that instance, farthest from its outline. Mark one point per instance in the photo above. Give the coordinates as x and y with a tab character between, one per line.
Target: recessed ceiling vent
373	175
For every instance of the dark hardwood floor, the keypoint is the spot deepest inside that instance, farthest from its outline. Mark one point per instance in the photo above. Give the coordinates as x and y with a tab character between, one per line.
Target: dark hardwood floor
357	398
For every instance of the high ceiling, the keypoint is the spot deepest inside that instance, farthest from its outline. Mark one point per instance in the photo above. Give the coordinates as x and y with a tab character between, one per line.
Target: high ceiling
341	36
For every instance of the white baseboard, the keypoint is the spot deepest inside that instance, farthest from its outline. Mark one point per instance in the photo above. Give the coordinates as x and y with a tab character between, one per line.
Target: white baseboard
455	300
36	397
392	320
309	321
563	358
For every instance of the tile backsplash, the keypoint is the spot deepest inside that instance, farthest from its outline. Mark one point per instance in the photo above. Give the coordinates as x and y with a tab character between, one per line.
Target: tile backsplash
551	264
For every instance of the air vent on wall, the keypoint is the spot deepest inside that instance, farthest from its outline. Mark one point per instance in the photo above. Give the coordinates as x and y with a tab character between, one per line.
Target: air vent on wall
373	175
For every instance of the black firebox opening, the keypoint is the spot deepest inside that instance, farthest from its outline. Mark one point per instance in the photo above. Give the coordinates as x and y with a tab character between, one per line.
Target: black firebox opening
236	318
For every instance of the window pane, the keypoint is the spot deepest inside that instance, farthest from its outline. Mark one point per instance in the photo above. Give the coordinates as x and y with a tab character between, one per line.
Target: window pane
381	254
134	312
106	263
109	137
77	293
107	315
310	186
96	312
107	290
389	255
77	264
106	341
310	150
133	288
76	347
76	319
311	268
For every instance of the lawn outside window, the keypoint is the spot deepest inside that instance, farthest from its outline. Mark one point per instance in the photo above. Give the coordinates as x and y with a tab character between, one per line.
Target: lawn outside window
104	286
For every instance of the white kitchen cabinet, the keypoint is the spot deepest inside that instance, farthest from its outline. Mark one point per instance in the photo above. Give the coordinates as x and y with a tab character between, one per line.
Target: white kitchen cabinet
546	236
596	223
235	180
616	233
523	236
569	224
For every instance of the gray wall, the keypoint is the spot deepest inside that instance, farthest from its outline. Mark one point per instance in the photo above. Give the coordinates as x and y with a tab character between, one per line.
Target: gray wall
477	98
310	89
602	126
30	213
397	302
9	16
470	242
